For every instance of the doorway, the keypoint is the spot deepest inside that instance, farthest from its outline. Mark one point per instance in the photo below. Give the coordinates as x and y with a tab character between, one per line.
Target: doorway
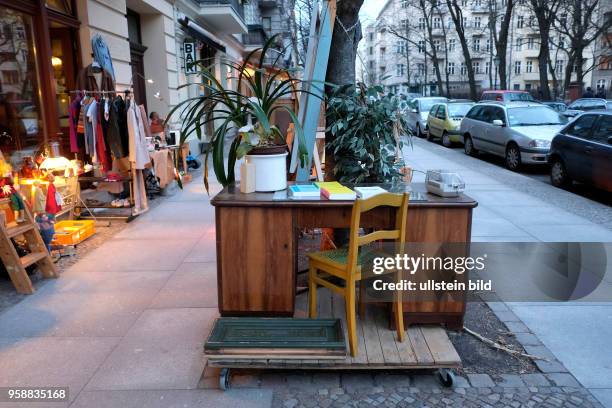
137	51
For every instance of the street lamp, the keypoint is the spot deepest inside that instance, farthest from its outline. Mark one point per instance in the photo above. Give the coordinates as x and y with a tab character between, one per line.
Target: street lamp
496	62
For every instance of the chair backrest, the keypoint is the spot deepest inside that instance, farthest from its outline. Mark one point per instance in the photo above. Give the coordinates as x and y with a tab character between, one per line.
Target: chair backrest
398	234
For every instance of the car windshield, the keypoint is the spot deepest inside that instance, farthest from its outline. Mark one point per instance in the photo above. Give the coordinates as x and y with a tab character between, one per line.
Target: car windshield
534	116
458	110
426	104
518	96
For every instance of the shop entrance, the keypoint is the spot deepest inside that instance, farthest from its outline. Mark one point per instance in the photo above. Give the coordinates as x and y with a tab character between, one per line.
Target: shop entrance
137	51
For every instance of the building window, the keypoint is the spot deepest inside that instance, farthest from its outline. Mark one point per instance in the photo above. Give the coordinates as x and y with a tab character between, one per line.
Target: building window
601	84
421	23
561	42
530	43
488	46
528	87
400	70
464	22
371	64
487	67
421	69
517	67
371	36
477	21
401	47
476	67
518	46
520	22
371	50
559	64
529	67
437	45
516	87
476	44
449	22
450	69
404	3
464	3
421	46
452	43
437	22
463	68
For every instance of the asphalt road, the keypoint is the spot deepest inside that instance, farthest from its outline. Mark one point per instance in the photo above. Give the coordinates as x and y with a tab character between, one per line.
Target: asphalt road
541	173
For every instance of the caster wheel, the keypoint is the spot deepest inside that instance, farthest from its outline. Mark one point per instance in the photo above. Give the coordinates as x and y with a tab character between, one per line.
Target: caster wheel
224	379
446	377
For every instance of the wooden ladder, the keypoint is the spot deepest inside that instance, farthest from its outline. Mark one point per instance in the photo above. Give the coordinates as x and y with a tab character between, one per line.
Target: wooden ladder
16	265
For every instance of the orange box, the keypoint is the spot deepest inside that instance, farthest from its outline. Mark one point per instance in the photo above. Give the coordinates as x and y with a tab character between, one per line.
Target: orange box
73	232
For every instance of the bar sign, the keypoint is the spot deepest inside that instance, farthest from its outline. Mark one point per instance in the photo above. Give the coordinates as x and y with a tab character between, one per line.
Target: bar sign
189	50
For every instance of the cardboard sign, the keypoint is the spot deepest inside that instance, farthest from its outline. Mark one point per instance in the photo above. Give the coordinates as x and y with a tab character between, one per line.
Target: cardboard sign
189	51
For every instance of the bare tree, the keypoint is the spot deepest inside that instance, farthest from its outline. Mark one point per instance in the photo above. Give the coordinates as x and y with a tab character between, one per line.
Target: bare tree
545	12
302	15
457	16
500	38
582	27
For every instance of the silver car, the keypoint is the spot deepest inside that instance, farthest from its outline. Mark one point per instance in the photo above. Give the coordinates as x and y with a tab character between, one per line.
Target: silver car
418	111
520	132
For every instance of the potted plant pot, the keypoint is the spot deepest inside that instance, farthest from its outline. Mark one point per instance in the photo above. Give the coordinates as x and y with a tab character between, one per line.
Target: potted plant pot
270	167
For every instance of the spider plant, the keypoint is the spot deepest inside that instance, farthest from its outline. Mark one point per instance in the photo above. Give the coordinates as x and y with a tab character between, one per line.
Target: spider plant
258	91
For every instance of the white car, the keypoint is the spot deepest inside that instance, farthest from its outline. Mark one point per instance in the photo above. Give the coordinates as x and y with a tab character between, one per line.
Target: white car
418	111
520	132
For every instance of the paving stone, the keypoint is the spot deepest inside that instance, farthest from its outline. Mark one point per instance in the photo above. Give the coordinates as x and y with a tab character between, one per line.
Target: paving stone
550	366
540	351
535	380
510	380
480	380
327	380
461	382
506	316
563	379
357	381
517	327
527	339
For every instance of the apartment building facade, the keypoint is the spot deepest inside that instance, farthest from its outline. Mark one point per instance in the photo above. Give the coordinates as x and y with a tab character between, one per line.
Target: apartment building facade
397	50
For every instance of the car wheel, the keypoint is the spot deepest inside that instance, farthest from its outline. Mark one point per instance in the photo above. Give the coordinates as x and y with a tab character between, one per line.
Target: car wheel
446	142
468	146
513	157
558	174
418	131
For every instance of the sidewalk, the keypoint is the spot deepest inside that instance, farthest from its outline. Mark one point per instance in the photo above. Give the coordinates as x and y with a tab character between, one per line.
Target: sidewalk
125	326
515	208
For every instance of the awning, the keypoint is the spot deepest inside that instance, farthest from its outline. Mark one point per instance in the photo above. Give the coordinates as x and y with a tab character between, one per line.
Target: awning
200	33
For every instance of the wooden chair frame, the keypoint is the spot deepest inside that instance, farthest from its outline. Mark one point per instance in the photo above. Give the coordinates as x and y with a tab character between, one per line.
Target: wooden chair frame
350	271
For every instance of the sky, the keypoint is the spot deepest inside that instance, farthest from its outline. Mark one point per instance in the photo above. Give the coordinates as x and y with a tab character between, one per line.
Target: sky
370	9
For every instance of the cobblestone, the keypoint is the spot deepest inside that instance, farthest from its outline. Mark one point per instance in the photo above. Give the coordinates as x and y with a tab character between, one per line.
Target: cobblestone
420	397
563	380
480	380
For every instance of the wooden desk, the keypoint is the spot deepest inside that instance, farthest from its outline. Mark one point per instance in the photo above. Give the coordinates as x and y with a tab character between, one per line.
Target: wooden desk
257	247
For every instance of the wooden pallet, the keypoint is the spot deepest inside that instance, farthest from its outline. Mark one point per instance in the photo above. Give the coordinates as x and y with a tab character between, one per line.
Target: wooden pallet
425	347
39	255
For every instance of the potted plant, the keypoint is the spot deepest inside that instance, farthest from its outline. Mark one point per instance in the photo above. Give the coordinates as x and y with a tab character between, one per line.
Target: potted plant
242	116
367	126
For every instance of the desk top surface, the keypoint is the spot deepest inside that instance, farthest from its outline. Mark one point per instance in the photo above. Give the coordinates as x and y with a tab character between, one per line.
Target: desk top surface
232	197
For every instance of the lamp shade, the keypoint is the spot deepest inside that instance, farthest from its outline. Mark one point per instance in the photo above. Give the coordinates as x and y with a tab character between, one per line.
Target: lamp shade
54	163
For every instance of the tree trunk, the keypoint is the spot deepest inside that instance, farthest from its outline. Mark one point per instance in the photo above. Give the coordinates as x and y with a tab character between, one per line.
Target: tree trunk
342	56
457	15
501	45
543	58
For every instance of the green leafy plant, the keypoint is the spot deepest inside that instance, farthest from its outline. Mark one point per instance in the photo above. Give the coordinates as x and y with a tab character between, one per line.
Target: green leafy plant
367	127
259	89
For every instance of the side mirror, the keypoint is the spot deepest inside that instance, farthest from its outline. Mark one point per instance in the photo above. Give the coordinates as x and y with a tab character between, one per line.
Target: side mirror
498	122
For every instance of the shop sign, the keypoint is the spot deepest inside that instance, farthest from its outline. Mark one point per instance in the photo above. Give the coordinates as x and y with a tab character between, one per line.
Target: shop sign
189	51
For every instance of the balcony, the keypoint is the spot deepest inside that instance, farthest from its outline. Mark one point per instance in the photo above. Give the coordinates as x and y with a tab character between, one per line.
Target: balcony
255	38
223	16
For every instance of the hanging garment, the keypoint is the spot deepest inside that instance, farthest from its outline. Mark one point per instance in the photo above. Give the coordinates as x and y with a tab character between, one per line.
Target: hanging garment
52	207
40	200
86	80
139	155
101	151
141	203
117	128
91	127
73	118
145	120
102	54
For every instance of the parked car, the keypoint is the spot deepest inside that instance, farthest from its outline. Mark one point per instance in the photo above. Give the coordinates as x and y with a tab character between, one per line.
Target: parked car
444	121
582	151
506	96
518	131
556	105
586	104
418	111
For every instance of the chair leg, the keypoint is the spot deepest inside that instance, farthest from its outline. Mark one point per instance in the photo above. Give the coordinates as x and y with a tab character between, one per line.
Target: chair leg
351	320
312	293
399	316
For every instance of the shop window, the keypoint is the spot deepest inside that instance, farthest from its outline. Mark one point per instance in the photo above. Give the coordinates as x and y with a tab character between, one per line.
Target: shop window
63	6
21	130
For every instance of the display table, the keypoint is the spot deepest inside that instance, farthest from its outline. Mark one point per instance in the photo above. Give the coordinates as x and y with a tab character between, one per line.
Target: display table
257	246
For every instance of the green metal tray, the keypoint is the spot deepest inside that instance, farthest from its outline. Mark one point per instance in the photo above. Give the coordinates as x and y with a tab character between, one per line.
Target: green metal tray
276	333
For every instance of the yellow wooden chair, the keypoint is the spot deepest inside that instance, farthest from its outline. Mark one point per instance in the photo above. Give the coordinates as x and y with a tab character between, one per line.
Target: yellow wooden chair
346	263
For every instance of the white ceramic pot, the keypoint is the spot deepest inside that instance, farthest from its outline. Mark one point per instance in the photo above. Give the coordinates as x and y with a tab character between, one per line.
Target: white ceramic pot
270	171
